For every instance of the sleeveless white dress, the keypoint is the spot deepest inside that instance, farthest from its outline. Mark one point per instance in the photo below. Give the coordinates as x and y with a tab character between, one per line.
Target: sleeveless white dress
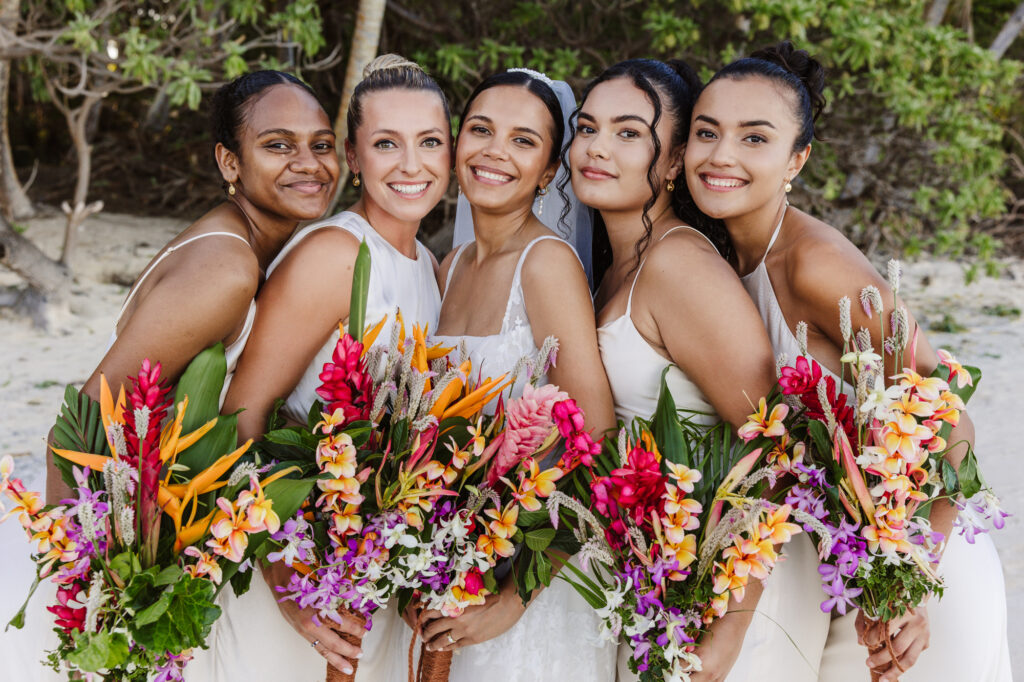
557	639
787	620
968	638
252	642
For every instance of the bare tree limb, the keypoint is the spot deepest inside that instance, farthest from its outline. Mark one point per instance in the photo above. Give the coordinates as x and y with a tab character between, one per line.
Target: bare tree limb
1011	29
937	12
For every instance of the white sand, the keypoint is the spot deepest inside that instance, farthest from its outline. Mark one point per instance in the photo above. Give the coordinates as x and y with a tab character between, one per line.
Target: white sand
116	247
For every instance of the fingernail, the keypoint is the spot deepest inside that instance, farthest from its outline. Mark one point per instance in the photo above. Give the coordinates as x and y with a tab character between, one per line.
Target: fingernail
359	655
347	670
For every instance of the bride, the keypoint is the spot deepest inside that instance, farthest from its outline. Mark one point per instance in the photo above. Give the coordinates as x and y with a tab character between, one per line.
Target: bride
515	284
399	151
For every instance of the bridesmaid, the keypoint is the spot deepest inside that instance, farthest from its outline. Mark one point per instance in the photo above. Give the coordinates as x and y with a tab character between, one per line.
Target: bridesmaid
669	300
399	152
275	151
505	292
750	137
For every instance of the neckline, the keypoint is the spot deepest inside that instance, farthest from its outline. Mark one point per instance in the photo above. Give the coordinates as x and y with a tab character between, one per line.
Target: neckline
389	245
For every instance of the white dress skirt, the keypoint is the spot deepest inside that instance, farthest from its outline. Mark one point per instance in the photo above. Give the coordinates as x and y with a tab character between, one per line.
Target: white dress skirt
252	642
558	637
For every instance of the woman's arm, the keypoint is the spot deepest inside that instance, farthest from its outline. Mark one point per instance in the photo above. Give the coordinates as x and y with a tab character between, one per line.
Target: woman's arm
298	309
199	301
558	304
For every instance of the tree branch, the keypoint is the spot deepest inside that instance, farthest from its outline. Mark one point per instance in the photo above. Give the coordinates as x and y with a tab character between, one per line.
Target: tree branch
1011	29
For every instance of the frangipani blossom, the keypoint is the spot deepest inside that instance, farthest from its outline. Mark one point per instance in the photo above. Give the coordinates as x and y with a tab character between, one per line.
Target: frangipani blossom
762	423
963	377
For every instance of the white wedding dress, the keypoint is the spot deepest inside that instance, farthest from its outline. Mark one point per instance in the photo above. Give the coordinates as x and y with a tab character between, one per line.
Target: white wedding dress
252	642
788	631
968	638
557	638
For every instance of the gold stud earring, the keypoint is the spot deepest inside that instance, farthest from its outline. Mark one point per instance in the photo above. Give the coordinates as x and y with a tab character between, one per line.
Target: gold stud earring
789	187
670	186
231	189
355	180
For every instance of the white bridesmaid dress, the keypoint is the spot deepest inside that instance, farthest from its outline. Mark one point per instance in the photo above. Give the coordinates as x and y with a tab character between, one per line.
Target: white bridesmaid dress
968	638
558	637
252	642
788	629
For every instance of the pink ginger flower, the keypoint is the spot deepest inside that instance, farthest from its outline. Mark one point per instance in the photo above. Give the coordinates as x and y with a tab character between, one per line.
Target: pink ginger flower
529	423
70	609
580	448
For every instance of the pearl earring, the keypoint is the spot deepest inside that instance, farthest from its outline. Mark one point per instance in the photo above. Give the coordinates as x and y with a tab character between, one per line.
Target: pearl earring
789	187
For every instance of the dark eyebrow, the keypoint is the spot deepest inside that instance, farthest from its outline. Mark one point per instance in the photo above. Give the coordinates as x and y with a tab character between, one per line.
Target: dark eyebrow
524	129
707	119
289	133
752	124
479	116
631	117
395	133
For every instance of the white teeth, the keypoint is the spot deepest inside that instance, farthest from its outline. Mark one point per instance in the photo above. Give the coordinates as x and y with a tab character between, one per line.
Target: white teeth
491	176
409	189
722	182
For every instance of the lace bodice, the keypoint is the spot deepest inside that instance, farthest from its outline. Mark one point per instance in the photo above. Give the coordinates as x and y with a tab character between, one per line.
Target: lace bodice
396	283
495	354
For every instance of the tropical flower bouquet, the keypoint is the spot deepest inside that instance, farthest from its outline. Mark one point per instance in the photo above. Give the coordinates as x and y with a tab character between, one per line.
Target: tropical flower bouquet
679	519
161	517
392	513
875	463
492	473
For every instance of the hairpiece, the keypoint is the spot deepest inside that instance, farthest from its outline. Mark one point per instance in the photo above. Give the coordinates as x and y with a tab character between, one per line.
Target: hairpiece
537	75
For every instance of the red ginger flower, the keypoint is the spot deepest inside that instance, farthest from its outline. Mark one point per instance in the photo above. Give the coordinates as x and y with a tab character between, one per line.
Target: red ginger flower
580	448
70	616
637	487
345	383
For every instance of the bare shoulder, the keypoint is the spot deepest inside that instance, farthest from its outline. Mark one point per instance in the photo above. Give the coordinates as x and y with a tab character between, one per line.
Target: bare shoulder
327	254
550	261
685	256
823	262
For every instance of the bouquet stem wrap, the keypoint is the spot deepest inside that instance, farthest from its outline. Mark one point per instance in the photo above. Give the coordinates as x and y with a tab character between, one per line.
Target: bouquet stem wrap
335	675
876	635
434	665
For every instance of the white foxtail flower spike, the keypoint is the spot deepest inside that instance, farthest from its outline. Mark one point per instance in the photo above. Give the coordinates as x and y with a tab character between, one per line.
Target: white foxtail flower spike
801	337
863	340
141	421
781	360
894	271
115	433
127	518
623	451
871	300
845	323
242	473
93	602
900	328
826	406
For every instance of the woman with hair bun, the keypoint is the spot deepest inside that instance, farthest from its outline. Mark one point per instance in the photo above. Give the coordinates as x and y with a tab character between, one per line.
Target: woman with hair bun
399	152
667	300
750	136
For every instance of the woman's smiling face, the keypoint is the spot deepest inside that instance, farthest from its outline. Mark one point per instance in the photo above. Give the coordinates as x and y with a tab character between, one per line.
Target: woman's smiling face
613	147
402	152
740	153
504	148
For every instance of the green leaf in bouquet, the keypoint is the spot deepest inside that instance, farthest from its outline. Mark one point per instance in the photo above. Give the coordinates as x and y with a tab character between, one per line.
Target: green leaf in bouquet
293	437
529	519
970	477
240	581
584	585
97	651
819	434
490	583
313	417
18	621
123	566
538	540
544	569
360	292
202	382
219	441
181	618
565	541
666	430
79	427
287	495
968	390
168	576
529	577
950	481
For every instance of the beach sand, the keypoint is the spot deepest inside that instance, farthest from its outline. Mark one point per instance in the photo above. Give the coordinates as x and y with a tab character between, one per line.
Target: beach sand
114	248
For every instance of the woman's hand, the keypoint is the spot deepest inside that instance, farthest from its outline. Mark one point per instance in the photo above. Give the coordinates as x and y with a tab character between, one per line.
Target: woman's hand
909	636
497	614
325	639
719	654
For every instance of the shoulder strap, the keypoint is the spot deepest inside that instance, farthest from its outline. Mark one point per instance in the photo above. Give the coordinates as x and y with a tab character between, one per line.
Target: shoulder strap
168	251
629	301
451	268
517	276
775	234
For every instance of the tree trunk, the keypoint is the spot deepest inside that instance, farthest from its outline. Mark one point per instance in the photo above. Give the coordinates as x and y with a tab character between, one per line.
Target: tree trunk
1011	29
937	12
48	281
78	211
13	200
365	39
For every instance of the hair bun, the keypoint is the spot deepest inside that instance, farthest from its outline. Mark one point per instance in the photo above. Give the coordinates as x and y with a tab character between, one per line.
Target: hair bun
802	65
386	62
687	73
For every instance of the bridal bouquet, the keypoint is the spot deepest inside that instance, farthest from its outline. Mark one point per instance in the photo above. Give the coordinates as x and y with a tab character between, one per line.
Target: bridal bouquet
493	472
160	518
874	465
678	521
